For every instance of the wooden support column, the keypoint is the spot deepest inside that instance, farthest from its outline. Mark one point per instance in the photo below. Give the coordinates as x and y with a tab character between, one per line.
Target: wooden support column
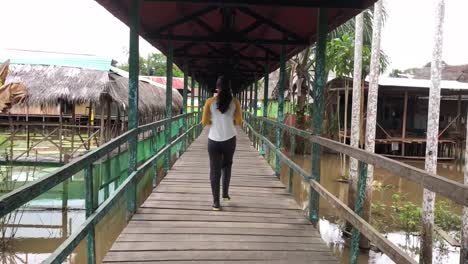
250	98
254	114
101	121
317	113
89	205
73	117
184	108
199	99
108	120
28	139
90	123
246	103
403	125
60	130
192	94
168	123
279	118
133	100
265	103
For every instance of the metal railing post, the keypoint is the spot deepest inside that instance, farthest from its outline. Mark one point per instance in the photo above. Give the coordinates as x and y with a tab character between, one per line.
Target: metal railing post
168	125
279	119
184	110
89	206
133	101
265	104
317	115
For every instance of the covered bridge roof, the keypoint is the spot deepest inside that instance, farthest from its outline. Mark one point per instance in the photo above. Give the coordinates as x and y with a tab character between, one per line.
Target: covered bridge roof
233	37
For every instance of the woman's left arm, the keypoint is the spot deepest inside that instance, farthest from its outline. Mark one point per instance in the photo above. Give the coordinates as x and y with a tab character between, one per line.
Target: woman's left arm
238	113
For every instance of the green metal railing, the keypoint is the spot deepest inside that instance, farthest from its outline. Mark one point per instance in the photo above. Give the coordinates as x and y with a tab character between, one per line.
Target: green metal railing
256	128
94	212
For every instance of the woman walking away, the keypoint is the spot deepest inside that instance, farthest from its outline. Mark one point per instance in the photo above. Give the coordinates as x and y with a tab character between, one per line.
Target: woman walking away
222	112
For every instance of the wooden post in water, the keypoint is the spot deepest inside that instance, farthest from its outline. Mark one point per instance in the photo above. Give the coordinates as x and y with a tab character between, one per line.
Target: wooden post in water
317	113
403	126
133	101
356	109
432	135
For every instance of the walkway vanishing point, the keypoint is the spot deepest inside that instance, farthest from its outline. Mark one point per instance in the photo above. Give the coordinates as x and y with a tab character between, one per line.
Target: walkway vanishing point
261	224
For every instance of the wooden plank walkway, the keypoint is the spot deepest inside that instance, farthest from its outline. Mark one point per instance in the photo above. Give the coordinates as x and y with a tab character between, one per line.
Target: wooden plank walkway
261	224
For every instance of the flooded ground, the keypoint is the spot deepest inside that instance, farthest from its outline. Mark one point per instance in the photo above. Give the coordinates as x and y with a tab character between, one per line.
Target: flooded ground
30	234
386	185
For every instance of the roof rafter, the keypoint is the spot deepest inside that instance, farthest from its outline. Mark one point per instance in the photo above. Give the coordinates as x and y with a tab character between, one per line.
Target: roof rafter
228	39
269	22
351	4
186	19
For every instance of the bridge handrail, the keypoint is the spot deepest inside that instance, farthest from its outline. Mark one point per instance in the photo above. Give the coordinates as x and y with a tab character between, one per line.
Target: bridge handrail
59	255
15	199
451	189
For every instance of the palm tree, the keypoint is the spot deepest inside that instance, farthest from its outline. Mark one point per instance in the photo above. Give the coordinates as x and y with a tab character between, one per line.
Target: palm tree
300	71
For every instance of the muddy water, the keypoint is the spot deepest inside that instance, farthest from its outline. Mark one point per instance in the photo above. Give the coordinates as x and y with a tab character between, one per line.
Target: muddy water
43	225
331	225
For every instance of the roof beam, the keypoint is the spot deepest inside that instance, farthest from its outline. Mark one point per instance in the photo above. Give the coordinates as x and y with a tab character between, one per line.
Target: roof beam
186	19
213	57
228	39
352	4
251	27
205	26
269	22
185	47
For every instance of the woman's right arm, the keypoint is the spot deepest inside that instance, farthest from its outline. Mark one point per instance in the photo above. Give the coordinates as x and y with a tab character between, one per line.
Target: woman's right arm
206	117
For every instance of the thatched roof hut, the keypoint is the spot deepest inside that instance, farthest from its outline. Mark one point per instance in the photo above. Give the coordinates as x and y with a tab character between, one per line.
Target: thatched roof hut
48	84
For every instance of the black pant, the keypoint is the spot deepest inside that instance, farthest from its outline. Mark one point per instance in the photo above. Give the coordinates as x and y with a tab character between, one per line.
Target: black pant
221	154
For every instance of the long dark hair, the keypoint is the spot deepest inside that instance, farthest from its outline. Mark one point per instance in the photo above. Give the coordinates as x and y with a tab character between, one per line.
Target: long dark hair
224	96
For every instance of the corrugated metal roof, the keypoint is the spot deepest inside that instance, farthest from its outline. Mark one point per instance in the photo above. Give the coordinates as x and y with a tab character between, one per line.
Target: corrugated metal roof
58	59
420	83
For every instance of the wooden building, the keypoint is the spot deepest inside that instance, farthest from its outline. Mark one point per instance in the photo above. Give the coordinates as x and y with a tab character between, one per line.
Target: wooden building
74	103
402	115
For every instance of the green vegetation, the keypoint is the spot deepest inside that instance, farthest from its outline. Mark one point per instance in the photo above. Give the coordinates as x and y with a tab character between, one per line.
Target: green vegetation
154	65
403	214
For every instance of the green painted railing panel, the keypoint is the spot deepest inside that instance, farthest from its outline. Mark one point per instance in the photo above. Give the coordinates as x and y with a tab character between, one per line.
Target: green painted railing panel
104	173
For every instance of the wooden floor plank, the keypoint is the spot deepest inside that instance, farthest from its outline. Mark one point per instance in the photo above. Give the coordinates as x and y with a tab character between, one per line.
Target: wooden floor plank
261	224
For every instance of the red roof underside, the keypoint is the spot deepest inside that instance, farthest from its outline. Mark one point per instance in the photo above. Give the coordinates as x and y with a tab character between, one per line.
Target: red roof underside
207	56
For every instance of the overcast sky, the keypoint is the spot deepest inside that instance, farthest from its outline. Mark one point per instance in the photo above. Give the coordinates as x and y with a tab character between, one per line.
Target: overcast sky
83	26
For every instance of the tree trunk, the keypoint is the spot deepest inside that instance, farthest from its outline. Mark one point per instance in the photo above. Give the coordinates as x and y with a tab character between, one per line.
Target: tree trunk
464	242
371	120
432	135
345	128
356	109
